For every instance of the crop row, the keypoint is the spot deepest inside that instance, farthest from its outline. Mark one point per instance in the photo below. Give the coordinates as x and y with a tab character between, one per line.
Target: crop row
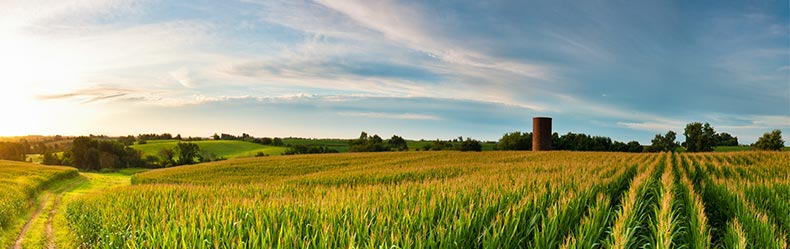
448	199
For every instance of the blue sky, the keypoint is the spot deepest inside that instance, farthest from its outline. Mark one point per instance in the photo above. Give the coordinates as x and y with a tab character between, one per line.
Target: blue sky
420	69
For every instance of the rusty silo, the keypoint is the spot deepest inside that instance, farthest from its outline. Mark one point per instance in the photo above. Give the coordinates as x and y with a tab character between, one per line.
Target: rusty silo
541	133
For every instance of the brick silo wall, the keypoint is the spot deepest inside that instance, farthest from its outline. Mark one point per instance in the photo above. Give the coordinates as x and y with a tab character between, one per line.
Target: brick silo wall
541	134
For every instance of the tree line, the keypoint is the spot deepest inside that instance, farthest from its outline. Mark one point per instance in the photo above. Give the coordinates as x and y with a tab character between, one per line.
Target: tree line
699	138
570	141
459	144
87	153
374	143
275	141
703	138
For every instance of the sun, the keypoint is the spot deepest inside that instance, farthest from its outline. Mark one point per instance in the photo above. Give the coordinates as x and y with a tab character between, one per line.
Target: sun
30	68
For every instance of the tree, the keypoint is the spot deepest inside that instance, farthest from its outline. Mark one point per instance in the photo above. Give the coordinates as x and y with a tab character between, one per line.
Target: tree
207	156
127	141
634	146
471	145
186	153
398	143
167	157
367	143
770	141
108	160
699	137
13	151
725	139
664	143
90	154
51	159
216	137
515	141
277	141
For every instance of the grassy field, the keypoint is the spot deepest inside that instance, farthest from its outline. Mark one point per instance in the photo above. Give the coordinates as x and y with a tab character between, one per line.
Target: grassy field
222	148
450	199
20	184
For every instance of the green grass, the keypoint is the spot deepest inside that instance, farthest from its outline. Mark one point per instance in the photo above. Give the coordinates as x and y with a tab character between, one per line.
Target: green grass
222	148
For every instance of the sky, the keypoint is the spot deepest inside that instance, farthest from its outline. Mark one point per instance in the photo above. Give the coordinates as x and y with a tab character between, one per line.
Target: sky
419	69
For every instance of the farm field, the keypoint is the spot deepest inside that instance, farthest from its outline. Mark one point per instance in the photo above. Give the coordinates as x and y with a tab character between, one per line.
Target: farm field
21	183
222	148
33	198
449	199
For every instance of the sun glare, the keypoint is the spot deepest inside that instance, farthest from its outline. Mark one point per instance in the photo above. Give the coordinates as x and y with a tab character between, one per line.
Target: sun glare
31	68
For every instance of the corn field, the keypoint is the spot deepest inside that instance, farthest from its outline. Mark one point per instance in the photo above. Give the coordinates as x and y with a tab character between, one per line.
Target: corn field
21	182
449	200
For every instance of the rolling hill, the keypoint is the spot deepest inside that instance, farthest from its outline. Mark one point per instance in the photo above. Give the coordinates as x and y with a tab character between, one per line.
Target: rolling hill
222	148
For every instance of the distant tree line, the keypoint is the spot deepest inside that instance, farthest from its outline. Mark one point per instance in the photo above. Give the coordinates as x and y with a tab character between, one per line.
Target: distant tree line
17	151
87	153
584	142
375	143
366	143
304	149
153	136
143	138
459	144
570	141
703	138
246	137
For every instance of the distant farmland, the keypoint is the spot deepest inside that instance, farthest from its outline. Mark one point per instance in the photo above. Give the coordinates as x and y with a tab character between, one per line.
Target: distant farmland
222	148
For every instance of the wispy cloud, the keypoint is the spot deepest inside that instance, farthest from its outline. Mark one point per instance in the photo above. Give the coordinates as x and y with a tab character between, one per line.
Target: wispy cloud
651	126
406	116
418	33
90	95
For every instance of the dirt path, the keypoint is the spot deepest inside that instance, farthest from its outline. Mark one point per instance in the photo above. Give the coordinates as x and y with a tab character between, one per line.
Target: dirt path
21	238
44	229
49	231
